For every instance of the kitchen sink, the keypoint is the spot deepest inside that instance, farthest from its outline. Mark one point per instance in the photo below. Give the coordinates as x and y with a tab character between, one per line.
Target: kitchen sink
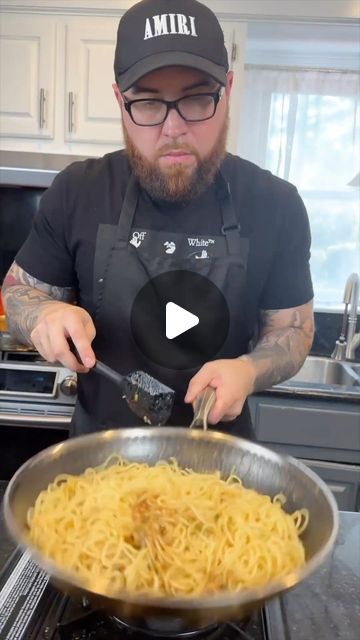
330	372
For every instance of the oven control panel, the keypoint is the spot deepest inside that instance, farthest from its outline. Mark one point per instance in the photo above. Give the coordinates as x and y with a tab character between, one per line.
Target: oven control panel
37	381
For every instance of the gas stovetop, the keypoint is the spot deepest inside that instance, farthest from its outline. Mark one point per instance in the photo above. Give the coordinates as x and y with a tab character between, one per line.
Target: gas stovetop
324	607
32	609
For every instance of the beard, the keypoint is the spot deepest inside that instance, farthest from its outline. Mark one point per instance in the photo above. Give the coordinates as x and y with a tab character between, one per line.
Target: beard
178	183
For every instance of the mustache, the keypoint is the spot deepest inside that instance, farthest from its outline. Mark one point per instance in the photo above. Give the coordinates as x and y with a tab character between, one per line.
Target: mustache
176	146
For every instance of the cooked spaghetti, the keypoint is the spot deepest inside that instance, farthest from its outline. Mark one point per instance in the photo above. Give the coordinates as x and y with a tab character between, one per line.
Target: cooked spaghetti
164	530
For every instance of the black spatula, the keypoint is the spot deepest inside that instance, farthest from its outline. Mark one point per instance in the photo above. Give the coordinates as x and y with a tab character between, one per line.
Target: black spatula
148	398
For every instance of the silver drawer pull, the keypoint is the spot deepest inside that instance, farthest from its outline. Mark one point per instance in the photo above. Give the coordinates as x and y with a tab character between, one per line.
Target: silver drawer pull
71	111
42	120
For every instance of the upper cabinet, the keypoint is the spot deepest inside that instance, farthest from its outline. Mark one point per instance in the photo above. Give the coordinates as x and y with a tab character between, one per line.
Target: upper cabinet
56	66
56	80
27	76
91	111
92	114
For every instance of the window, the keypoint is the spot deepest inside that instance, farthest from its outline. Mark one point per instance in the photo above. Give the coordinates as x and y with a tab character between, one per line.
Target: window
303	125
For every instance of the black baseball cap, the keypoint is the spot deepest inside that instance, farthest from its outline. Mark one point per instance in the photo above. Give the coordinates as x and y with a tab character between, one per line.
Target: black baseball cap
161	33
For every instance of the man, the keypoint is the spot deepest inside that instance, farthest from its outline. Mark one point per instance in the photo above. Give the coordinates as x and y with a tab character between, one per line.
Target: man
86	247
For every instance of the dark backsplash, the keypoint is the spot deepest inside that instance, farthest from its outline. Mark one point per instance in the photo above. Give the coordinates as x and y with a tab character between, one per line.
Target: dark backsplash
327	331
18	206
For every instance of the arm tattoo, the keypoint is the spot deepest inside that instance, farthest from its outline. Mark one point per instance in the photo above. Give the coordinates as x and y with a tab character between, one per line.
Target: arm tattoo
281	351
24	297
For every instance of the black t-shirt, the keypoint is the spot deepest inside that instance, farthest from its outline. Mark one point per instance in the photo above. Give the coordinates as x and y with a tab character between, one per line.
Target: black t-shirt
61	246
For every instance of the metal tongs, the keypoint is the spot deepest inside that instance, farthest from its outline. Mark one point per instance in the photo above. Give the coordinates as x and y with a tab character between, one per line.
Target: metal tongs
202	408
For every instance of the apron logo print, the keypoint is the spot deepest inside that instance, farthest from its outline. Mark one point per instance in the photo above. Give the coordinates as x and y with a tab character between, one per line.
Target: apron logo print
203	255
137	238
170	247
195	242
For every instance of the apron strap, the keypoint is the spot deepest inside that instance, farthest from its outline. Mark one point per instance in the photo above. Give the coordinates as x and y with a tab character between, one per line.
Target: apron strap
230	225
104	253
128	210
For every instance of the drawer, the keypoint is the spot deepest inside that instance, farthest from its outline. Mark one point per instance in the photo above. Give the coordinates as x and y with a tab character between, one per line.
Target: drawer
309	429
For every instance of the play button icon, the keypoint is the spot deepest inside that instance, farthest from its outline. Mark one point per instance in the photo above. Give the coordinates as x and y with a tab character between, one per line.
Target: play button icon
178	320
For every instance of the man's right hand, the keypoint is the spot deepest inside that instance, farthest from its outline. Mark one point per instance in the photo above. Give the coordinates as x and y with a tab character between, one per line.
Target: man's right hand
44	315
56	323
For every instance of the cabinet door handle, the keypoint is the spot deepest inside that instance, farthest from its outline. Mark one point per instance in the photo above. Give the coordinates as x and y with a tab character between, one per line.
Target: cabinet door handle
71	111
42	120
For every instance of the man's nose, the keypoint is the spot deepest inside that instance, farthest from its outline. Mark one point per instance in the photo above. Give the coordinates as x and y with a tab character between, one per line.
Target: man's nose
174	125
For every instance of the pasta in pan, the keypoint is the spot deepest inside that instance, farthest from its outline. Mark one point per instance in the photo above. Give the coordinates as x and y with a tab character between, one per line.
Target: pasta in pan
165	531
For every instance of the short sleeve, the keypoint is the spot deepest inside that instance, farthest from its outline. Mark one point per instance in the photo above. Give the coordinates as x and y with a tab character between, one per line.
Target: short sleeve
45	253
289	281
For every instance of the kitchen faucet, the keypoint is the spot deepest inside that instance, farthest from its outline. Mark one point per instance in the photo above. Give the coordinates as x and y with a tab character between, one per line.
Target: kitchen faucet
346	344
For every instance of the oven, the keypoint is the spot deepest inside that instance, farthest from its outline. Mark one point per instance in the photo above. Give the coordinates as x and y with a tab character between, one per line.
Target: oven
35	392
36	398
37	401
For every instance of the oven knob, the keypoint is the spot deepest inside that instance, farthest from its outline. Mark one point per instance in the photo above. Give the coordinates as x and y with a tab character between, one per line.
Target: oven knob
69	386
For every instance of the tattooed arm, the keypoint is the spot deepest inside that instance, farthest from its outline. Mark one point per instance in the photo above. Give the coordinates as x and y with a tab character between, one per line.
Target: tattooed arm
285	340
25	297
44	315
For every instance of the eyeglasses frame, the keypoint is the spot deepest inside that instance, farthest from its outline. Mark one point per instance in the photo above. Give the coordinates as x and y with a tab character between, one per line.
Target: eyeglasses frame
173	104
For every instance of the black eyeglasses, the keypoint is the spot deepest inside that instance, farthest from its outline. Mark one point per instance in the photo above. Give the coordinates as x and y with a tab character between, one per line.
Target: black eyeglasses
149	112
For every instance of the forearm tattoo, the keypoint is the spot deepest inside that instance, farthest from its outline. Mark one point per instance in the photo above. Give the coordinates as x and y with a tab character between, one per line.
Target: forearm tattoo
25	297
280	352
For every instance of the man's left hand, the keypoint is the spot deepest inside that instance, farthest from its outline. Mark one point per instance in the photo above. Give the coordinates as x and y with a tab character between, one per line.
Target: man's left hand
232	380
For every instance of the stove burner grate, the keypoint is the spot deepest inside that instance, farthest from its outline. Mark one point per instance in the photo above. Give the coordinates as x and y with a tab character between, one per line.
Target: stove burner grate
93	624
159	630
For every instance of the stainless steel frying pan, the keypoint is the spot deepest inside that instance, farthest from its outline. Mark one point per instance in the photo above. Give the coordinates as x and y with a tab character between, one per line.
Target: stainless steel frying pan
203	451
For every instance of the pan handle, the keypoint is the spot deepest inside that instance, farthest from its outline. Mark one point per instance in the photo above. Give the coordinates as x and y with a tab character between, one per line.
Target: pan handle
203	406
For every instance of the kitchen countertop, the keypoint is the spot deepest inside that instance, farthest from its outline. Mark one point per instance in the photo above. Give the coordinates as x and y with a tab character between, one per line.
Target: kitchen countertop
315	391
327	605
31	168
324	607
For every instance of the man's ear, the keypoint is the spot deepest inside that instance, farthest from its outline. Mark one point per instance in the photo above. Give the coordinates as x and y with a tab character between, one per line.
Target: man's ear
229	82
117	94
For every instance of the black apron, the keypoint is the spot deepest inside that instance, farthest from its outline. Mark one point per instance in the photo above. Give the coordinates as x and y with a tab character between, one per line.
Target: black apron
120	270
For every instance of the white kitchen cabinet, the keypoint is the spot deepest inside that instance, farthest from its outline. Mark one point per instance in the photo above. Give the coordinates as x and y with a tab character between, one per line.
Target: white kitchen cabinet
56	76
27	76
92	113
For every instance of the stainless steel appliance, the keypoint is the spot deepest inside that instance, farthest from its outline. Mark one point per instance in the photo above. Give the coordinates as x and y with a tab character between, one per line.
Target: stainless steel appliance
27	169
34	395
36	404
32	391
